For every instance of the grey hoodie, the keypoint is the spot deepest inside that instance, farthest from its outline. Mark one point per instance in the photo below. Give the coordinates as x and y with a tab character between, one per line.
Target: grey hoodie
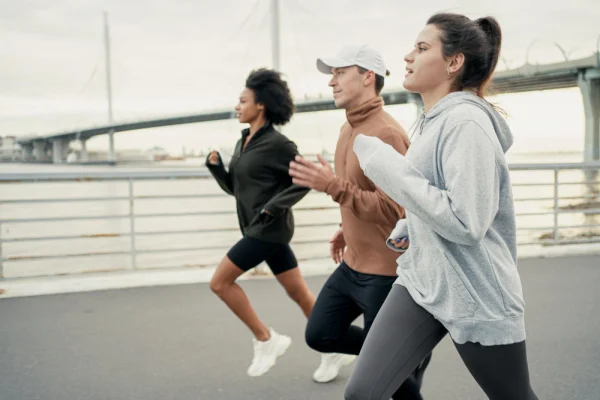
454	183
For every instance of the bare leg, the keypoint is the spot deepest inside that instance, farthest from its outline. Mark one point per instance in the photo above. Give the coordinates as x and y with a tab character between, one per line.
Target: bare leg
223	285
295	286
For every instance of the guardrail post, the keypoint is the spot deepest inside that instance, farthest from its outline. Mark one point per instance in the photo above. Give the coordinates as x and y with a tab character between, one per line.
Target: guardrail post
132	225
556	210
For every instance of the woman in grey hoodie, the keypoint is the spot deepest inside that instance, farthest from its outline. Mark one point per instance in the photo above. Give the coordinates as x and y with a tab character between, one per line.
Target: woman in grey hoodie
459	275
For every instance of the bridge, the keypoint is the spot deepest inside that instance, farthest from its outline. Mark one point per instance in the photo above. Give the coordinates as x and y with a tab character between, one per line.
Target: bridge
583	73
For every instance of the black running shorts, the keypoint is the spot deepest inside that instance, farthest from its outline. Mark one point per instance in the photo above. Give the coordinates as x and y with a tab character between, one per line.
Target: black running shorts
249	252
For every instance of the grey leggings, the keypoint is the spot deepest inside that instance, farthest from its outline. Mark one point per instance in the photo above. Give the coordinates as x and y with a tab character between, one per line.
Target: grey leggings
403	334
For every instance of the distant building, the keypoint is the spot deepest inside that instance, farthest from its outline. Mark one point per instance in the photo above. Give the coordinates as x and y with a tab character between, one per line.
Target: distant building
10	149
158	153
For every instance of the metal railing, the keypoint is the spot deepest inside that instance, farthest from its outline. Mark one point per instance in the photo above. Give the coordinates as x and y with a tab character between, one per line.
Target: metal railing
588	206
587	194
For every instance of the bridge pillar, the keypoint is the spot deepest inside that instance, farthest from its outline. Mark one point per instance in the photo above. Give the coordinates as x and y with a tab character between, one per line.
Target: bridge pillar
112	157
589	84
40	152
27	154
84	153
60	149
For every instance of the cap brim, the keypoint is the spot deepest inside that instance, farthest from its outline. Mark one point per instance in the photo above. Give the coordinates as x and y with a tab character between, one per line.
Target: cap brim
326	64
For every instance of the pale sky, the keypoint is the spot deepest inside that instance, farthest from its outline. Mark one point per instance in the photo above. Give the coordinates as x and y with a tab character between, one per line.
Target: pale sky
183	56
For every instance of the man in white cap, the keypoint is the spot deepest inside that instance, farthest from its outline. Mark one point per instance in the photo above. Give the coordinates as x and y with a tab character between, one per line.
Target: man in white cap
367	267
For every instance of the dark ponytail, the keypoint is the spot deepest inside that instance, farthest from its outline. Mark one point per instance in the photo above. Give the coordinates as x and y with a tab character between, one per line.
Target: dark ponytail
491	28
479	41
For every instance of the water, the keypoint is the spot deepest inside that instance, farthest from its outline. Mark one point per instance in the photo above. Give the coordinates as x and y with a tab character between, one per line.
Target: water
221	230
112	235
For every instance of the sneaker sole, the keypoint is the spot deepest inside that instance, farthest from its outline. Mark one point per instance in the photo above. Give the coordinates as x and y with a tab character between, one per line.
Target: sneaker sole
280	351
285	347
346	360
254	375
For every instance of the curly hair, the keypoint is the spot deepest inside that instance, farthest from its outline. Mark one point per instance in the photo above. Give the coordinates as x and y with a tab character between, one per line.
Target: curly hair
273	92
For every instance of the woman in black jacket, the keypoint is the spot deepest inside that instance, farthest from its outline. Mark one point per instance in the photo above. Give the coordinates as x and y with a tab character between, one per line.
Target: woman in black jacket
258	179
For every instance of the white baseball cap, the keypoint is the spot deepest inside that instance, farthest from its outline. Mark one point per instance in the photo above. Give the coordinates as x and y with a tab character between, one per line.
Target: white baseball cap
361	55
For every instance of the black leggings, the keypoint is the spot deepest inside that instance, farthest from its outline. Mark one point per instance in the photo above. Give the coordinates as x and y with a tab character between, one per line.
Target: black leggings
346	295
403	334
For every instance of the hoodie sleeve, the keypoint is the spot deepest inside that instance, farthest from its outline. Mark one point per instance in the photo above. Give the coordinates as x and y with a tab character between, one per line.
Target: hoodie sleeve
370	205
222	177
463	211
292	194
399	232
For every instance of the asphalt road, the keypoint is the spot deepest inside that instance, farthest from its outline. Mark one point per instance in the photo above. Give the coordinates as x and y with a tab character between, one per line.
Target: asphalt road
181	342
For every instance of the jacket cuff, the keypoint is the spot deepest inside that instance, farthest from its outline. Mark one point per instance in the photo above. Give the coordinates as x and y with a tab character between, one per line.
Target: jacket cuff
399	232
389	244
209	165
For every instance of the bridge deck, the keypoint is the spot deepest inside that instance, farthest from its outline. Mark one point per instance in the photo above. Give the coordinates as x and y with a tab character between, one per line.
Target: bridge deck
526	78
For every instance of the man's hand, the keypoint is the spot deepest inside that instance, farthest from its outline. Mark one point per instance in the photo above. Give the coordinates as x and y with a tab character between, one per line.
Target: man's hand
213	158
307	174
337	246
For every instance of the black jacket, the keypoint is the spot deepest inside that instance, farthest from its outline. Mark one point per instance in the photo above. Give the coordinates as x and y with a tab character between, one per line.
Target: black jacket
258	178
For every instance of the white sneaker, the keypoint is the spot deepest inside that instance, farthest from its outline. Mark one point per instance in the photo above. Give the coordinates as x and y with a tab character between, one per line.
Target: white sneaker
330	366
266	353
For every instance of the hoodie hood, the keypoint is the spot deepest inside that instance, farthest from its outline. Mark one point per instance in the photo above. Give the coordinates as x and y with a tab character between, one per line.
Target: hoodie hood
505	137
